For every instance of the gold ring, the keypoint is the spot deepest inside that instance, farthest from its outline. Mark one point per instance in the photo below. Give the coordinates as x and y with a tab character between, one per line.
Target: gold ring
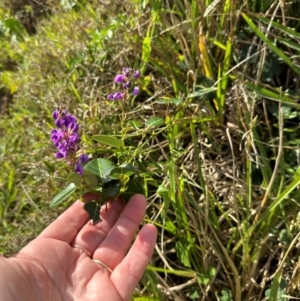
83	249
103	264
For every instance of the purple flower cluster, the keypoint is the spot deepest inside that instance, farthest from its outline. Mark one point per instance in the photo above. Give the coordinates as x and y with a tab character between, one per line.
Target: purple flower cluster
66	139
126	81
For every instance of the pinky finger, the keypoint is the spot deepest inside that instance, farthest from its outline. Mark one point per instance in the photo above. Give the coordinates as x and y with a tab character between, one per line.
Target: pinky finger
128	273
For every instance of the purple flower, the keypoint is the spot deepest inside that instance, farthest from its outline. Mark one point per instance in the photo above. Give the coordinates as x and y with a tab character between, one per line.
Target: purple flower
126	71
73	139
135	91
58	123
110	96
126	79
60	155
118	95
119	79
66	139
126	85
68	119
55	114
56	135
83	158
78	168
62	147
73	127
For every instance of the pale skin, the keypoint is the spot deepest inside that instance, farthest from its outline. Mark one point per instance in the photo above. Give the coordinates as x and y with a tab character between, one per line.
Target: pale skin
50	269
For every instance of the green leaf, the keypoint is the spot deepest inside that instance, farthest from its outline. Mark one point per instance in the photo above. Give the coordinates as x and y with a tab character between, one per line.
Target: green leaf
201	92
194	295
111	189
284	237
182	248
75	178
117	172
206	277
161	190
50	167
134	123
133	187
166	101
93	209
90	180
170	227
60	197
128	166
108	140
154	122
226	295
16	28
100	168
287	111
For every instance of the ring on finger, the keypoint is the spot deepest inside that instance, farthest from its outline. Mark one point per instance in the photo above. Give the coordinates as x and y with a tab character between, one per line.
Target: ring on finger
103	265
83	249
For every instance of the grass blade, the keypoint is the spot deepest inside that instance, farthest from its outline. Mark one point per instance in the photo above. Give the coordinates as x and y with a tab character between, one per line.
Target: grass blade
270	44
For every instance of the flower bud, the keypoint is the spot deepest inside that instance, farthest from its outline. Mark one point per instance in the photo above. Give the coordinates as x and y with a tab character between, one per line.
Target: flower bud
135	91
119	79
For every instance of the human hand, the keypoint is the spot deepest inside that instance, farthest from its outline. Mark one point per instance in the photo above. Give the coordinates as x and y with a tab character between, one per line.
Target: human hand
50	268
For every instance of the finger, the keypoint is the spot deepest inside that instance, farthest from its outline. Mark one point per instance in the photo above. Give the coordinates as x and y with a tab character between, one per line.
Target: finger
91	236
128	273
113	248
67	225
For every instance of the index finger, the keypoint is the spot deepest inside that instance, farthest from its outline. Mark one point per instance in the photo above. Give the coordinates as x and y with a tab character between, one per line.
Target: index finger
68	224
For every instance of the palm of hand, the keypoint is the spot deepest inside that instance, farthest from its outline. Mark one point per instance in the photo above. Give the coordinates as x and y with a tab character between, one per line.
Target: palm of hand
57	271
66	274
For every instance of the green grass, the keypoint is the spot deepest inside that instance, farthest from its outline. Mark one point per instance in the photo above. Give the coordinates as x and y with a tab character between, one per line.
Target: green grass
214	133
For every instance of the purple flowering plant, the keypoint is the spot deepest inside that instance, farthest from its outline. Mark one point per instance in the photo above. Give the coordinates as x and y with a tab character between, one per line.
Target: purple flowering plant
66	139
98	177
126	84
